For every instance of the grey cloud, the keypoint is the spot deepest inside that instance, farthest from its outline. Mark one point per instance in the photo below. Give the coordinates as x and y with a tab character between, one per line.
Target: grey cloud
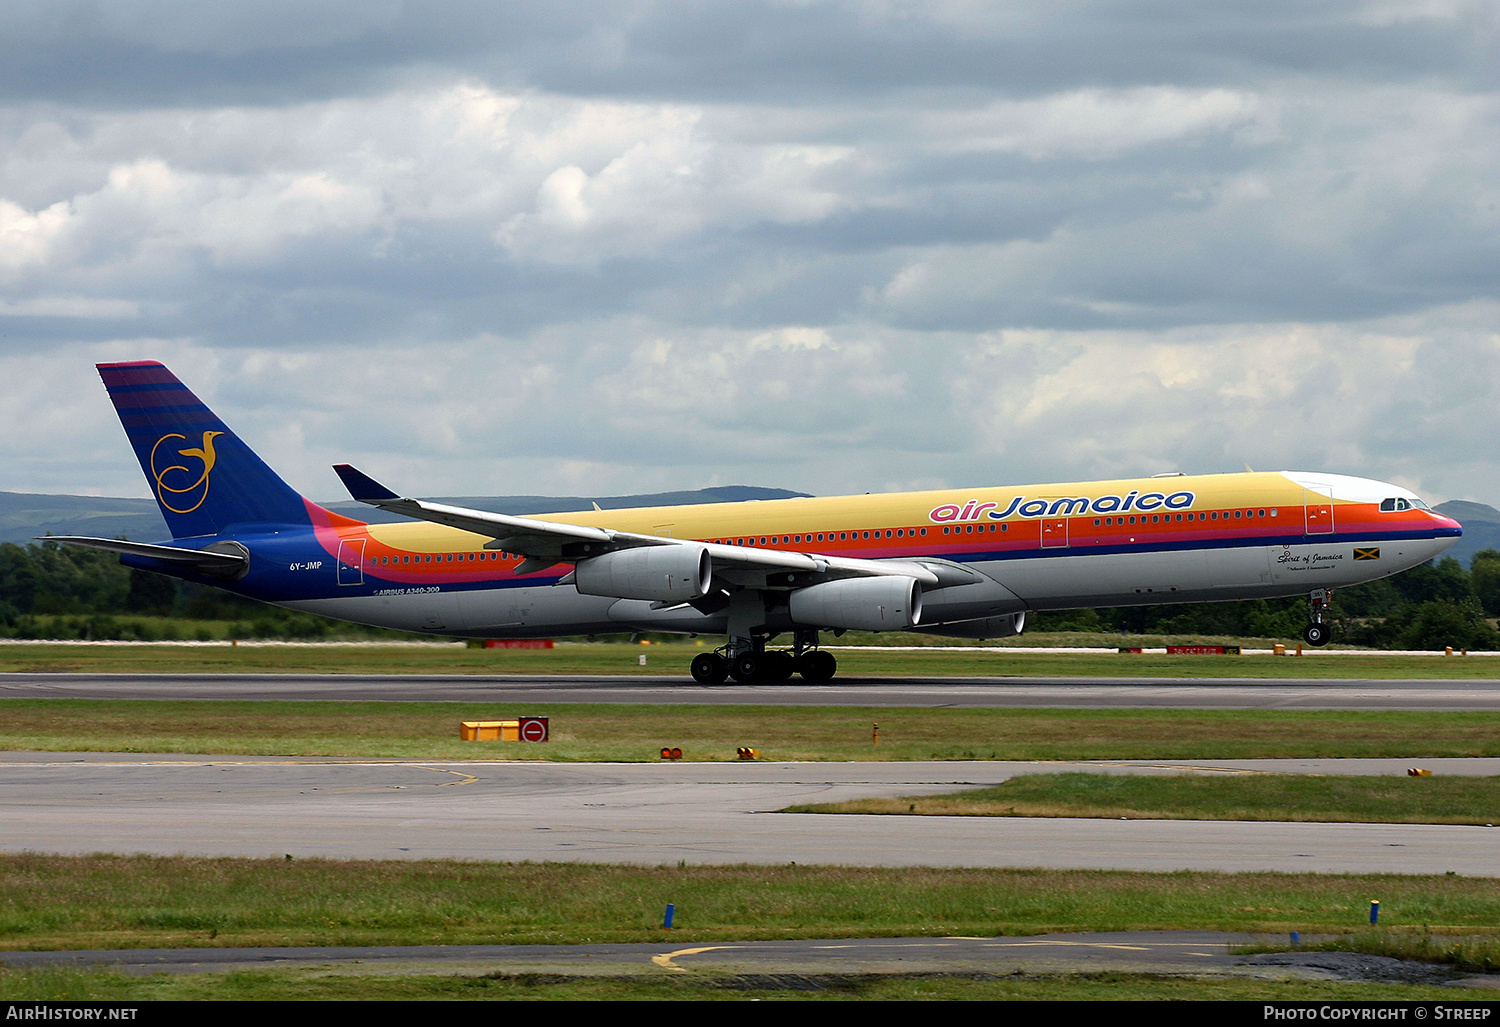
610	247
272	51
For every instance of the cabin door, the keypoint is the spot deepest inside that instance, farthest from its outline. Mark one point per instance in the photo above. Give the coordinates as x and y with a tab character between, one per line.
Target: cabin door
1318	507
351	561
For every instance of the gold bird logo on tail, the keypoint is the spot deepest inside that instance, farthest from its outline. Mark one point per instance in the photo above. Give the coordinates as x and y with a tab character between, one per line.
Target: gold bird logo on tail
176	480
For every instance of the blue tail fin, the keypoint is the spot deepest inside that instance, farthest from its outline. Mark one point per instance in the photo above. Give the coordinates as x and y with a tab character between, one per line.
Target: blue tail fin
205	479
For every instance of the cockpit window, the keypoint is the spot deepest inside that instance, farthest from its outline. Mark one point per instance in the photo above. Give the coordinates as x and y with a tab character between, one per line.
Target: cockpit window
1391	505
1387	505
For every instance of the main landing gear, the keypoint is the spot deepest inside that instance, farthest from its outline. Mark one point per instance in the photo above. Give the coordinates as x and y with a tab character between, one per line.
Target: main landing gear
1317	632
748	659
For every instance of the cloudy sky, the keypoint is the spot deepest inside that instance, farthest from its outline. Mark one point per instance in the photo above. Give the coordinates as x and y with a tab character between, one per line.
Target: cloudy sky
486	248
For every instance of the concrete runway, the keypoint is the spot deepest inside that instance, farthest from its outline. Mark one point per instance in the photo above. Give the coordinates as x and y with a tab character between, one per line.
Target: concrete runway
664	813
697	813
1078	693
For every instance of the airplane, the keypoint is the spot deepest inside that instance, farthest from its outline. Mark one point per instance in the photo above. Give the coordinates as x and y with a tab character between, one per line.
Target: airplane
966	563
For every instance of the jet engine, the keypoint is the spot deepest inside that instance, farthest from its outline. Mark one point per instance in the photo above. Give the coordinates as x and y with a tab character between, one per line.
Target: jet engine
886	603
672	574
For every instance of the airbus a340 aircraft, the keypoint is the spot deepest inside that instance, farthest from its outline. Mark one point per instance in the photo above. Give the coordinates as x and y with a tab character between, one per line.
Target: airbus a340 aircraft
967	563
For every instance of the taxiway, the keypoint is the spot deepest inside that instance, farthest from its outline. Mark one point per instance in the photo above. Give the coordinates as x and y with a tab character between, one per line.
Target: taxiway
701	813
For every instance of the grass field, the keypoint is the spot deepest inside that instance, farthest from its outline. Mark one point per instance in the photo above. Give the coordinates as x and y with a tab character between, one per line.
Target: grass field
96	902
100	902
634	733
622	659
126	902
1265	797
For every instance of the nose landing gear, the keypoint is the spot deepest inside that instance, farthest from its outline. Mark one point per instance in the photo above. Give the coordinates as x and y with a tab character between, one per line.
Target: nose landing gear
1318	633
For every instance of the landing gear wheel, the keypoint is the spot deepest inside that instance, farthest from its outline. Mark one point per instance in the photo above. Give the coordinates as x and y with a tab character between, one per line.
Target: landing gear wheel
817	666
778	665
1318	632
745	667
710	669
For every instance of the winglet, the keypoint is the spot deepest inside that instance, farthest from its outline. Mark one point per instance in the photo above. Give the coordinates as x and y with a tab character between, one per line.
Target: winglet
362	487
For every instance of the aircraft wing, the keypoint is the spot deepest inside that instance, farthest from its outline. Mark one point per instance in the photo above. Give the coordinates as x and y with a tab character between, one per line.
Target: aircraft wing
546	543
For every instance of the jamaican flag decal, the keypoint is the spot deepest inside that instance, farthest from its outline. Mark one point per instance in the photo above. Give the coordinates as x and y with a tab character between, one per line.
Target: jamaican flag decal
1372	553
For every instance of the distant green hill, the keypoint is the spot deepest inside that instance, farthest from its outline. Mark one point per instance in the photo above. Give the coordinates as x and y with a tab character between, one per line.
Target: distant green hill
25	516
521	506
1481	527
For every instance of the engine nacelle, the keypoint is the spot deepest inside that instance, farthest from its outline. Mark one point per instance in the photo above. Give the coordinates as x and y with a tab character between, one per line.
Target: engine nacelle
672	574
988	627
887	603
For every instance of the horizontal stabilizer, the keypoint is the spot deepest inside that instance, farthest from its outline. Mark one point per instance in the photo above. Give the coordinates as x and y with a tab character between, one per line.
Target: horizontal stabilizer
216	564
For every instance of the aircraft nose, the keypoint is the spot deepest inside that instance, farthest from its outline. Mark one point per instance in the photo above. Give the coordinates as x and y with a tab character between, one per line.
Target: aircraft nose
1446	525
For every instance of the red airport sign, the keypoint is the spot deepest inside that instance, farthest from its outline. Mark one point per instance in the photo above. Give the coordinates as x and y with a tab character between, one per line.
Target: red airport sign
533	729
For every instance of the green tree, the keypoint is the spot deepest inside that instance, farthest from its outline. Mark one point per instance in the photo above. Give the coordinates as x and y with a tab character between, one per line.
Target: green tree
1484	572
151	593
1436	625
1444	580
